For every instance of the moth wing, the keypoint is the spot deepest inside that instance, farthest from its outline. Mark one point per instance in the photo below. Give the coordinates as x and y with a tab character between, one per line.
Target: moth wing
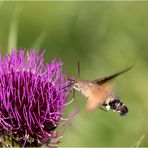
95	99
107	79
92	104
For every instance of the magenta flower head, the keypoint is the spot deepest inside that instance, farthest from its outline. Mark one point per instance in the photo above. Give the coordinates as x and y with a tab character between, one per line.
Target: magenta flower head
32	98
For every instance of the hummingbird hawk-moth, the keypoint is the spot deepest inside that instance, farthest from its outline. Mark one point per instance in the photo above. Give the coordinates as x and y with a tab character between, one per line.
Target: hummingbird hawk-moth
98	93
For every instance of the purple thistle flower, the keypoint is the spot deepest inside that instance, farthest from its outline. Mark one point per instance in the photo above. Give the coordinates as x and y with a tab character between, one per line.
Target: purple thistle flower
32	97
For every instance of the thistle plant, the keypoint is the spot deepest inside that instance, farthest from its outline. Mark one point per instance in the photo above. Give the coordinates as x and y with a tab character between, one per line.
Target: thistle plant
32	99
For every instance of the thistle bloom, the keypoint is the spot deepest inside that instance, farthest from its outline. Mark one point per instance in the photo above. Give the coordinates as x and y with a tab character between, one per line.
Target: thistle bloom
32	98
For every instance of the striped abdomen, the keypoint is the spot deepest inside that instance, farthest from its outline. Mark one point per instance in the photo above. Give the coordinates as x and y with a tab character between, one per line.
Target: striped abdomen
116	105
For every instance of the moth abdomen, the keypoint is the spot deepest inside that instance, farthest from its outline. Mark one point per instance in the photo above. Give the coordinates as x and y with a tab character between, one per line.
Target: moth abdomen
117	106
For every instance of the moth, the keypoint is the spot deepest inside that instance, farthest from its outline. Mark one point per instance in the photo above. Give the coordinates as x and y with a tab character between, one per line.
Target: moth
98	93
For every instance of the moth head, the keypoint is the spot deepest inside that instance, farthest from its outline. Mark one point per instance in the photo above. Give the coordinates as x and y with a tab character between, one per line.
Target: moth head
77	85
80	85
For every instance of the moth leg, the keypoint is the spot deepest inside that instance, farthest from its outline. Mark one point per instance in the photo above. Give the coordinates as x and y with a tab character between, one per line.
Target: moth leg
72	99
103	109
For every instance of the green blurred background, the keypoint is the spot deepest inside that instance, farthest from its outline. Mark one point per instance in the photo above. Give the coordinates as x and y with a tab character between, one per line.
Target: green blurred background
105	37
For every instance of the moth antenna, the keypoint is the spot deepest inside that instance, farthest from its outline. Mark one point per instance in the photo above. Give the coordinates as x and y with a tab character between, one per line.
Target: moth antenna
78	70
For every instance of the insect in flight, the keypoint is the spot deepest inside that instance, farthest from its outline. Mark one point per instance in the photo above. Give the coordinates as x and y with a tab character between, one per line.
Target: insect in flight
98	93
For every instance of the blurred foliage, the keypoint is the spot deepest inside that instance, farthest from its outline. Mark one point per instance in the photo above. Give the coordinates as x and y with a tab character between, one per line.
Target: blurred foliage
105	37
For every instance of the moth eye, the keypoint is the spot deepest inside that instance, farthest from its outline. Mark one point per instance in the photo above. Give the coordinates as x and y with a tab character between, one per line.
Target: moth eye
76	85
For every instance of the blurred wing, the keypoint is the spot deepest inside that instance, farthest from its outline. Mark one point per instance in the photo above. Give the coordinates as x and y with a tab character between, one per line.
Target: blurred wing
96	98
107	79
92	104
